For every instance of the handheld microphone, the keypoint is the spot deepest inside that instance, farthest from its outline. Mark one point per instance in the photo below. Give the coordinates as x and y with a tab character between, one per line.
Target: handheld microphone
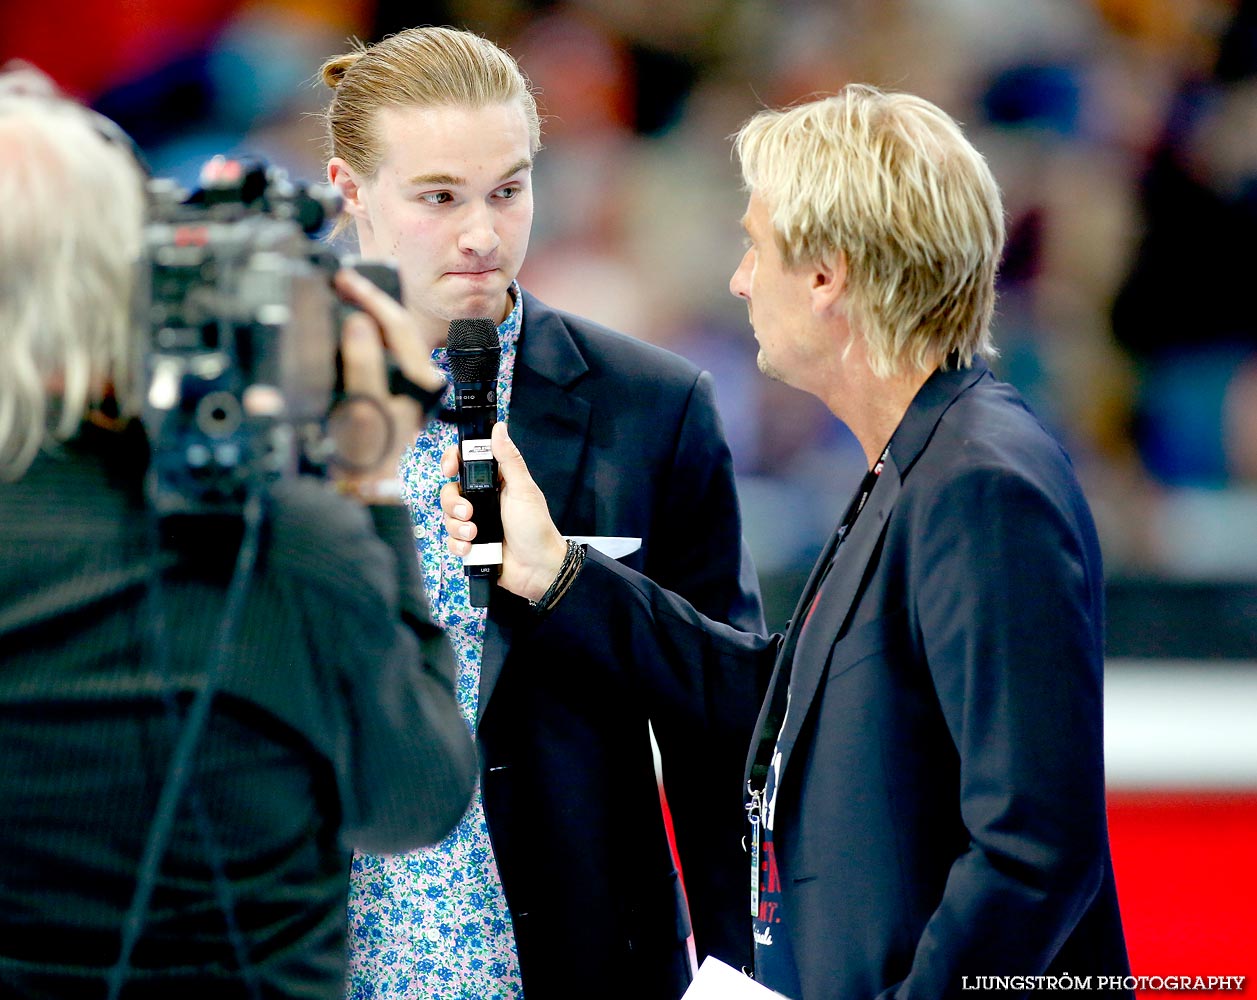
474	353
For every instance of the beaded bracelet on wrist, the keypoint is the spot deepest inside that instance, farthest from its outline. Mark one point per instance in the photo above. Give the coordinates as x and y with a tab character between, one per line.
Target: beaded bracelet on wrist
573	560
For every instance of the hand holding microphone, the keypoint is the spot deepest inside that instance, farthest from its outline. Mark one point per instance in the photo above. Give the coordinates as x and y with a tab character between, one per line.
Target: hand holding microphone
474	355
496	515
533	549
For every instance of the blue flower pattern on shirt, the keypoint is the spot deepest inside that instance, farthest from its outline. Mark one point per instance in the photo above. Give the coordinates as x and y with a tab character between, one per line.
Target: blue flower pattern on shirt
434	922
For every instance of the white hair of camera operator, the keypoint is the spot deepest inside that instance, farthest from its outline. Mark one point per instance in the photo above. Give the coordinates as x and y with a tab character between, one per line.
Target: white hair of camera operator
71	217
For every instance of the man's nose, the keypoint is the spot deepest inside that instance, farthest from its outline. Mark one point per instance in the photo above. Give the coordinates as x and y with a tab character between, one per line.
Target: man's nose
479	236
739	284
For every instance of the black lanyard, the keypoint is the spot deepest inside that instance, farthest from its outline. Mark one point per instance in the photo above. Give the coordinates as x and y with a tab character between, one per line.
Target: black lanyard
770	732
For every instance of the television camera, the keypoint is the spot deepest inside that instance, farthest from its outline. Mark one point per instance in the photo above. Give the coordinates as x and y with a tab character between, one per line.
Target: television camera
242	365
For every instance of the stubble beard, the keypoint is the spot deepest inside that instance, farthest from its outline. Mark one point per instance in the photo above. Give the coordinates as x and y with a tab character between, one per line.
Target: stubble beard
766	367
467	307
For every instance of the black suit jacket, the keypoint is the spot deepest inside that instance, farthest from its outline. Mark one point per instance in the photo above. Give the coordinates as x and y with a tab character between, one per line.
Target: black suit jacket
940	810
623	438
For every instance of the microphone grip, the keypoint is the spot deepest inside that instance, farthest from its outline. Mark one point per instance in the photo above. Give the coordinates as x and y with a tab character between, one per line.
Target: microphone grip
487	505
481	565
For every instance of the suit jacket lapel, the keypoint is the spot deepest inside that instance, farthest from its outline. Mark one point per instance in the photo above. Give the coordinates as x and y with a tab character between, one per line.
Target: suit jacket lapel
771	711
834	604
550	424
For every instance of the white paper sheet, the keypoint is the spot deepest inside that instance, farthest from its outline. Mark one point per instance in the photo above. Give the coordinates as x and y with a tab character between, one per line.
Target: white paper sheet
615	546
717	981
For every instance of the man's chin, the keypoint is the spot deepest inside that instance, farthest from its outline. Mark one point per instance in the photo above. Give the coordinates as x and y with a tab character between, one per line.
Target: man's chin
493	303
766	367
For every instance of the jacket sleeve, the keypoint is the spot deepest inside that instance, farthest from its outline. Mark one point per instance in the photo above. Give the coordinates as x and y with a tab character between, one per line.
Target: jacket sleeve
699	553
413	752
1008	601
702	681
698	672
402	753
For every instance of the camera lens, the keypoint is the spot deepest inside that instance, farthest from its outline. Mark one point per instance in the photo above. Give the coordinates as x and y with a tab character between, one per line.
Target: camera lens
218	414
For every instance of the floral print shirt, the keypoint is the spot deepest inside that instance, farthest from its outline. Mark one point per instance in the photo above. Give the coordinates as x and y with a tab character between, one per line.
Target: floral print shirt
434	922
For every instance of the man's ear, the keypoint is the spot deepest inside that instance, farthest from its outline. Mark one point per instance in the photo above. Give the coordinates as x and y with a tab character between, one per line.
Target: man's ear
827	283
343	177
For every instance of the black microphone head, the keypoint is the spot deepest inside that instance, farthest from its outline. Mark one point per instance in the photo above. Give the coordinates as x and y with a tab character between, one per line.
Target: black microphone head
473	350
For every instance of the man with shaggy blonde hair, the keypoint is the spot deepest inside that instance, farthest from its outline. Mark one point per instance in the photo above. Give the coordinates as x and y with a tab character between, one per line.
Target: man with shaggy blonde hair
888	182
925	783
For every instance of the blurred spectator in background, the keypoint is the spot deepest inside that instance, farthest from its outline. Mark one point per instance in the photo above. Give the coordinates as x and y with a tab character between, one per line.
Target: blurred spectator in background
1075	102
194	79
1185	312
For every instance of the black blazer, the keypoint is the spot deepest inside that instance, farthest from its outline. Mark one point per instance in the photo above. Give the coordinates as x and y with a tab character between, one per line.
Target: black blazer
940	811
623	438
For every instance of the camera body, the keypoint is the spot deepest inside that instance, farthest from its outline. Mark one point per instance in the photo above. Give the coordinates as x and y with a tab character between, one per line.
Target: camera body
243	328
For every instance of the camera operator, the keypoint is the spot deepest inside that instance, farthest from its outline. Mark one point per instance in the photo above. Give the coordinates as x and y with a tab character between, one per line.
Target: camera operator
335	689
